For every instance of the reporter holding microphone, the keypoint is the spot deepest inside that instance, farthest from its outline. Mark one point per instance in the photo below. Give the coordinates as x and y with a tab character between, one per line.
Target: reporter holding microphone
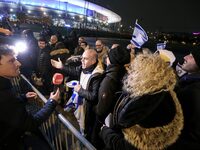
15	121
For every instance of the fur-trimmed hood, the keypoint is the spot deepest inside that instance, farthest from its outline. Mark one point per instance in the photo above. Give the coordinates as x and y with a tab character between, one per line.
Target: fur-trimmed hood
59	52
139	125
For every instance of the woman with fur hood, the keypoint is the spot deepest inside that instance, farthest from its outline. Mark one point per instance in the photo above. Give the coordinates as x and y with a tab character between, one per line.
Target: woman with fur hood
148	114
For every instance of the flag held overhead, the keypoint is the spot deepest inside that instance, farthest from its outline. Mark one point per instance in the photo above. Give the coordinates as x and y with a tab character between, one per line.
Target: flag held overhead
161	46
139	36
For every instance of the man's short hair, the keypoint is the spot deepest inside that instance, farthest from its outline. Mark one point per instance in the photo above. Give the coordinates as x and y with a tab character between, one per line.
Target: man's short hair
100	41
93	52
5	50
54	35
42	39
81	37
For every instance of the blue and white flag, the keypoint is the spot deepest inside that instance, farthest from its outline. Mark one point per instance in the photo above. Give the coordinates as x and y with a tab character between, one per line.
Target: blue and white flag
139	36
161	46
74	102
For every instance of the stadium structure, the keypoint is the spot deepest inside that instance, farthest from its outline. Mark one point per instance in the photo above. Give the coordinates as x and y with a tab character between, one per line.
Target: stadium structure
70	13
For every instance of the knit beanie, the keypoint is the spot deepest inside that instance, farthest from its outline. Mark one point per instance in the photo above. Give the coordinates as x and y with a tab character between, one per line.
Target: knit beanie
196	54
119	56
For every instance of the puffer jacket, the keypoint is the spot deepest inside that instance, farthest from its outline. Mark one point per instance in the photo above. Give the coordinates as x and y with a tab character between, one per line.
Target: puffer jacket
44	64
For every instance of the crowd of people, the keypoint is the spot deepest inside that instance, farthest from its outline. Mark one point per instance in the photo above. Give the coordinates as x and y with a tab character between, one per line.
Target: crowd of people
123	99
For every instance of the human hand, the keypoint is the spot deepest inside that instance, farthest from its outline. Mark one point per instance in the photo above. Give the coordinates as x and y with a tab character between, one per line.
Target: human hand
55	96
5	31
31	95
131	46
114	46
57	64
103	126
77	87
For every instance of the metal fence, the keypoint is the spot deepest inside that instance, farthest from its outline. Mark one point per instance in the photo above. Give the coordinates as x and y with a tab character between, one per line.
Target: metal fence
58	130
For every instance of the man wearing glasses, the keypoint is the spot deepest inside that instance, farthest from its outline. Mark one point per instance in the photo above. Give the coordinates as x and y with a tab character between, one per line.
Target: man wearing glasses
101	49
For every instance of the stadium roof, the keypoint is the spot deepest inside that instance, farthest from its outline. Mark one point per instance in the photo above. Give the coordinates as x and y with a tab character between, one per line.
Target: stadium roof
112	17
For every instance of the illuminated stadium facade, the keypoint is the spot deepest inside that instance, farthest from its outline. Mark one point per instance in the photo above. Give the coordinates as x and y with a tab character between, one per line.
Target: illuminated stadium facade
74	13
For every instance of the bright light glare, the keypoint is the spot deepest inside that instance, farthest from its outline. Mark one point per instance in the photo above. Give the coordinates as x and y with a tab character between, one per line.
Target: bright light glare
20	47
67	25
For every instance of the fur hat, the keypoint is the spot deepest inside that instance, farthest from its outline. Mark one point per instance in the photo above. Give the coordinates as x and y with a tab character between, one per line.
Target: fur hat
196	54
119	56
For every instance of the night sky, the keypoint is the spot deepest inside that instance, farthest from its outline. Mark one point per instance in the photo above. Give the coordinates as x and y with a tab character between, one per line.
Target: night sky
158	15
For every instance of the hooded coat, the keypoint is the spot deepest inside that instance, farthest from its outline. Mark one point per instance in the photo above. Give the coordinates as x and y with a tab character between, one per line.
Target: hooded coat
152	121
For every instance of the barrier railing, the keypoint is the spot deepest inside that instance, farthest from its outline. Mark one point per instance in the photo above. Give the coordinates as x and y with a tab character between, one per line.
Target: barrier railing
58	130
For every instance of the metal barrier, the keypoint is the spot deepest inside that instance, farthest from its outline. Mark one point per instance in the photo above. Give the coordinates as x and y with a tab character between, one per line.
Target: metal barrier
57	130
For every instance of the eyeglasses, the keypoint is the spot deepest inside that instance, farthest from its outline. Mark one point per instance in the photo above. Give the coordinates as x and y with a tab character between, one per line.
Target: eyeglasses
98	45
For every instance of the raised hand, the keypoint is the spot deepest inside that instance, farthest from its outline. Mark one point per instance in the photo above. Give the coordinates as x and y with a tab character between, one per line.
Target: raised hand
57	64
55	96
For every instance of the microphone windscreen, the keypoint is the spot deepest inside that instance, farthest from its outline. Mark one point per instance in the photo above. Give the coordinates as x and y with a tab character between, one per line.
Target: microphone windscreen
57	79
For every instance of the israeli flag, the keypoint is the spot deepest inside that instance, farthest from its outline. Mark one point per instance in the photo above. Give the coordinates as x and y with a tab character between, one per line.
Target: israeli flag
161	46
139	36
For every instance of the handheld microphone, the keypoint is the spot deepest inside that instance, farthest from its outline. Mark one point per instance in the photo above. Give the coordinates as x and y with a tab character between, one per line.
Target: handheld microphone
57	81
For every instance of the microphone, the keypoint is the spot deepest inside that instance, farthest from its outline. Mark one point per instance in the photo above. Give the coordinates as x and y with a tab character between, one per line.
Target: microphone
57	81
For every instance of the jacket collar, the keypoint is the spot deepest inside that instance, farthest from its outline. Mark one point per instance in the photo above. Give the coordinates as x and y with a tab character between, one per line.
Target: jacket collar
189	79
90	69
158	137
5	83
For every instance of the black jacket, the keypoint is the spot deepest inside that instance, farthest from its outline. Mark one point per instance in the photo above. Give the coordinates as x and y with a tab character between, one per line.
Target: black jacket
14	119
111	83
44	64
188	93
146	122
45	70
29	58
90	93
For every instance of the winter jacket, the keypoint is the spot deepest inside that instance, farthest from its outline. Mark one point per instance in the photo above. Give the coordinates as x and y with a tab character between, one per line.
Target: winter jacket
111	83
107	97
147	122
14	119
63	54
90	93
188	94
44	64
45	70
78	51
29	57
